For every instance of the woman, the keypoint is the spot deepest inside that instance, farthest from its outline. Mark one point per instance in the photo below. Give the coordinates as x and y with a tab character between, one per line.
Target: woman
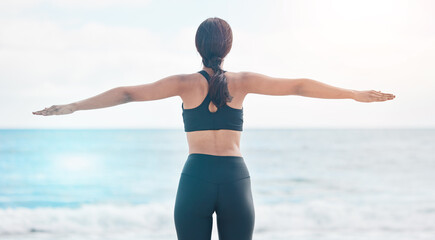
214	177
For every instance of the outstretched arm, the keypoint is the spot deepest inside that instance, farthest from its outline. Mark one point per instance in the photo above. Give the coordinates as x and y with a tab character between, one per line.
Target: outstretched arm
163	88
316	89
262	84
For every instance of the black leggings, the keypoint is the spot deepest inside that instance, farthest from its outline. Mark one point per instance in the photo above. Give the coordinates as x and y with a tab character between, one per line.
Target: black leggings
210	183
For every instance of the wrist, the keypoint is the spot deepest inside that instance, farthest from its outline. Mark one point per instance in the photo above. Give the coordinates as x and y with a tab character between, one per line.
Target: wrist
352	94
73	106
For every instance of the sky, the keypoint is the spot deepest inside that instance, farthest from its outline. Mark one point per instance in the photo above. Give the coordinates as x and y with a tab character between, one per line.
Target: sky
59	52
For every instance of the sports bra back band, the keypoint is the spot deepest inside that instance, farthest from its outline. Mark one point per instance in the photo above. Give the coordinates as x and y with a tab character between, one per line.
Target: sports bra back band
201	118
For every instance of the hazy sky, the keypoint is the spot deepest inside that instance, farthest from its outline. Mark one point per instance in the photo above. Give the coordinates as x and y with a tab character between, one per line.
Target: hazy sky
57	52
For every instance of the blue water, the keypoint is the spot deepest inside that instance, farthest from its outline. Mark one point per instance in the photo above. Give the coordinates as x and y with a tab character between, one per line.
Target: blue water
67	168
306	183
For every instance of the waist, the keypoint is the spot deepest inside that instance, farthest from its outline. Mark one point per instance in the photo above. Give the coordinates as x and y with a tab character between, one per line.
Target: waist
214	168
220	142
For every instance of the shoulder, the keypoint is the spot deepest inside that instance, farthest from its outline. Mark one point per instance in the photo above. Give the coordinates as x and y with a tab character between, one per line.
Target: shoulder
244	76
237	77
190	82
187	79
252	82
181	80
244	79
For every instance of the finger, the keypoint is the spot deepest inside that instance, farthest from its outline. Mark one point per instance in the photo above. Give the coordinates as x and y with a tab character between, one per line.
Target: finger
384	98
377	93
384	94
42	112
389	94
374	95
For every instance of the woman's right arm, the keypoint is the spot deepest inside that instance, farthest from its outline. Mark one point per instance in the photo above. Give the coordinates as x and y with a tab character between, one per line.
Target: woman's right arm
262	84
163	88
112	97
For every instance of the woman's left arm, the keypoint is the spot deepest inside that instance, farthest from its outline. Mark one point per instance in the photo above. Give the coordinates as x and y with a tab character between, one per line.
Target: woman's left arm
316	89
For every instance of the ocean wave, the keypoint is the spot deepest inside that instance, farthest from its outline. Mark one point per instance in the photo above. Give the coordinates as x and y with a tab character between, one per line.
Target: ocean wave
308	220
87	219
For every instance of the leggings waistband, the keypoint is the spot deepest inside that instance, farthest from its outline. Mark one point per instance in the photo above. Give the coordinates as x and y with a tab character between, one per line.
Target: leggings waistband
214	168
204	155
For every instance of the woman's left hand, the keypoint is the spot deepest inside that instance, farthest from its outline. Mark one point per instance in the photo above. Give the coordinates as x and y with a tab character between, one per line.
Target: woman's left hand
372	96
56	110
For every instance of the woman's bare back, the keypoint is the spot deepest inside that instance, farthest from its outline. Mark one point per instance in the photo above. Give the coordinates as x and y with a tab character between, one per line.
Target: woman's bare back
215	142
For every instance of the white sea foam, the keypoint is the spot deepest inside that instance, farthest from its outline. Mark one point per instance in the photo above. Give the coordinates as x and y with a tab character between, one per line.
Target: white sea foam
88	220
309	220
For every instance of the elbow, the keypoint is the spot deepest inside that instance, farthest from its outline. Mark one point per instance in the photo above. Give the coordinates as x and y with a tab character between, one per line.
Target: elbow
300	87
126	95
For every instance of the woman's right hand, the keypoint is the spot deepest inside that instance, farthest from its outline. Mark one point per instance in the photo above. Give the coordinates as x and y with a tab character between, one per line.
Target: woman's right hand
372	96
56	110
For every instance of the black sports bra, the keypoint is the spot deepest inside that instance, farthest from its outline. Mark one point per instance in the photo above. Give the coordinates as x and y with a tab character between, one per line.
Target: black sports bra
201	118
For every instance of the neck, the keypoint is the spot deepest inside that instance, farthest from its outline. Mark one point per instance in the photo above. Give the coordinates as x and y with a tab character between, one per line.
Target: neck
209	70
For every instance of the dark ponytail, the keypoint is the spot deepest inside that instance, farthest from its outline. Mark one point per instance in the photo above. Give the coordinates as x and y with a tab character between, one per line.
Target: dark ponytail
213	41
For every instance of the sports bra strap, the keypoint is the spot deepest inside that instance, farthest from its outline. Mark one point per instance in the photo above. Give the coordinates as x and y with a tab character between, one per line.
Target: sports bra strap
205	74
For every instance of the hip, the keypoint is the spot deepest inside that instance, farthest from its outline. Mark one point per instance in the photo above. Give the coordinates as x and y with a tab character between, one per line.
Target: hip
214	168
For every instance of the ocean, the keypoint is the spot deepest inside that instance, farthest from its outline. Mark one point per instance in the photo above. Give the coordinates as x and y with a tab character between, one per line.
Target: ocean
307	184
